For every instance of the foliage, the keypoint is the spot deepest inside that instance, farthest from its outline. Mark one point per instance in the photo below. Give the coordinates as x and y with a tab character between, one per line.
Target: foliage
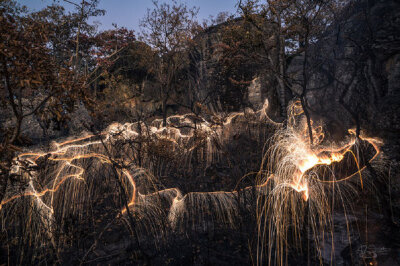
66	27
33	81
111	42
288	28
51	61
169	29
239	48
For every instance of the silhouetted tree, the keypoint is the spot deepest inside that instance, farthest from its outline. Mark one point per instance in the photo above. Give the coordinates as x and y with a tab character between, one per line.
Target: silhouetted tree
168	29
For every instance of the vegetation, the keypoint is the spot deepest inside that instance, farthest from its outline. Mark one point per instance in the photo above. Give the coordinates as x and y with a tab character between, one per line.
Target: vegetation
172	107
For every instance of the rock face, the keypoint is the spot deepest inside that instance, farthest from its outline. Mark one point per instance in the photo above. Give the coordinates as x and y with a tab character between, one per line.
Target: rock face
35	131
213	80
254	93
357	77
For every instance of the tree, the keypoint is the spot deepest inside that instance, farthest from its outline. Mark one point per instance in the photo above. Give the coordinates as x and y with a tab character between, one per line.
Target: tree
72	36
32	80
168	29
221	17
29	70
268	19
307	21
293	26
106	50
289	27
110	42
85	9
239	50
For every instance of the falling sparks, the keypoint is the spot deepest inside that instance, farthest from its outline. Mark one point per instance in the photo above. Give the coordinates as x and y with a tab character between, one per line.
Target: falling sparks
290	159
305	162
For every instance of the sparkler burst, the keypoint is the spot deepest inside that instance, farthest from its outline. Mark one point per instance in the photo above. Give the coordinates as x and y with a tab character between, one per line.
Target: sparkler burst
295	161
293	189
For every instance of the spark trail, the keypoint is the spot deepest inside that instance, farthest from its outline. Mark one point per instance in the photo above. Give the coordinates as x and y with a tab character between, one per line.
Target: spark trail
287	167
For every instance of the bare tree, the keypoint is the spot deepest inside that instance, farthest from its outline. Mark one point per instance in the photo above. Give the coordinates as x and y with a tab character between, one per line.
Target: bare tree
85	10
269	19
169	28
289	29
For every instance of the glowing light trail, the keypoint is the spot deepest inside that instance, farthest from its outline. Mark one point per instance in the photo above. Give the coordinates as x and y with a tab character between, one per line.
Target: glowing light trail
290	159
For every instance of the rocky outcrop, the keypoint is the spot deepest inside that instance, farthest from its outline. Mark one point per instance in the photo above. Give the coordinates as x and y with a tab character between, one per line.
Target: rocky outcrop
357	75
224	87
35	130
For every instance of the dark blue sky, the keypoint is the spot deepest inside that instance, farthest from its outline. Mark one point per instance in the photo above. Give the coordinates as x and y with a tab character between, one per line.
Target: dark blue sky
127	13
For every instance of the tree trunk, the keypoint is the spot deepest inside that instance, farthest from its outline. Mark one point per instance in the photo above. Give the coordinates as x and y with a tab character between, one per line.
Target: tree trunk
77	38
280	67
304	85
164	111
282	96
17	130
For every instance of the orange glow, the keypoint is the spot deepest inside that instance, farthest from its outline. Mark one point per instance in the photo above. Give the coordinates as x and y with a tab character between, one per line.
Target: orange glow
62	150
308	157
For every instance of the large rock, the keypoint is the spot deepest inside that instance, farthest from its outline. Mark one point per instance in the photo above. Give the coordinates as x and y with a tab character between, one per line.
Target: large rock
358	71
215	81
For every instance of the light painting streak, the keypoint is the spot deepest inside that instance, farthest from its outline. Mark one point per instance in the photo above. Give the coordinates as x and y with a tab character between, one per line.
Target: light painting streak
295	158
